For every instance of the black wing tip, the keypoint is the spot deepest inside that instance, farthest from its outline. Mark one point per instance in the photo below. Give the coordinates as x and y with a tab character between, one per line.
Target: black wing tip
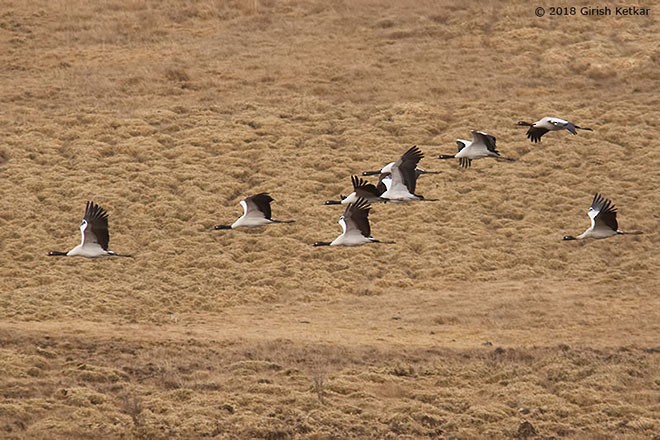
598	198
533	138
94	210
535	133
414	153
358	182
465	162
261	194
361	204
262	197
602	203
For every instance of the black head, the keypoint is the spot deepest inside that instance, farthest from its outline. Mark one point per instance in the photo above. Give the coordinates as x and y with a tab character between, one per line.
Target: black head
322	243
222	227
56	254
569	237
370	173
332	202
524	124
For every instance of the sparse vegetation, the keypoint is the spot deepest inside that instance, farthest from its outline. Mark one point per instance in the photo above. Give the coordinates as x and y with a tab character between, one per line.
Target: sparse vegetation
478	323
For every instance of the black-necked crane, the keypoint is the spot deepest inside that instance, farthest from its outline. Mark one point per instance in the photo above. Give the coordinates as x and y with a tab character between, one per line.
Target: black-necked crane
361	189
603	221
544	125
403	177
355	226
95	235
256	212
482	145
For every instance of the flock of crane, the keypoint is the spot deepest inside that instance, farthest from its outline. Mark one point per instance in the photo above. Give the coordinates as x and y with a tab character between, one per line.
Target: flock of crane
396	183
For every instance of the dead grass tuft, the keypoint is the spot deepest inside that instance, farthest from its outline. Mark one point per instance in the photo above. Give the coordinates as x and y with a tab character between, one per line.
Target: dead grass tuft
132	406
177	74
168	113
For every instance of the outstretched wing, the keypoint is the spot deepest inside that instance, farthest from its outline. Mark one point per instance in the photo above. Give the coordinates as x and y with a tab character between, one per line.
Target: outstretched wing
603	213
406	166
361	186
534	133
260	202
356	216
479	137
96	230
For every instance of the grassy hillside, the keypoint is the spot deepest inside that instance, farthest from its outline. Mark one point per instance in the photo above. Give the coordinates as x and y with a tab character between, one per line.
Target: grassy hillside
478	322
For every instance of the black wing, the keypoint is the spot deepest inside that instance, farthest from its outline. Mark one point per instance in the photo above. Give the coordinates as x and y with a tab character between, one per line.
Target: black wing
487	139
491	143
607	212
358	214
97	222
460	145
464	162
381	187
535	133
407	165
361	186
262	200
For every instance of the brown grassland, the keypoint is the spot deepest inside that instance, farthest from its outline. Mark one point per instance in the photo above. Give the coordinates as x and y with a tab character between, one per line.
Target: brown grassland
478	323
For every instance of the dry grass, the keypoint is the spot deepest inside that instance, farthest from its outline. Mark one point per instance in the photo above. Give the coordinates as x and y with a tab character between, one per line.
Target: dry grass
477	320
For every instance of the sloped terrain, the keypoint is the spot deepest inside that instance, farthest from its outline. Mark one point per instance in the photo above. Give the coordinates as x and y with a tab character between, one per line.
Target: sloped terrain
477	320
